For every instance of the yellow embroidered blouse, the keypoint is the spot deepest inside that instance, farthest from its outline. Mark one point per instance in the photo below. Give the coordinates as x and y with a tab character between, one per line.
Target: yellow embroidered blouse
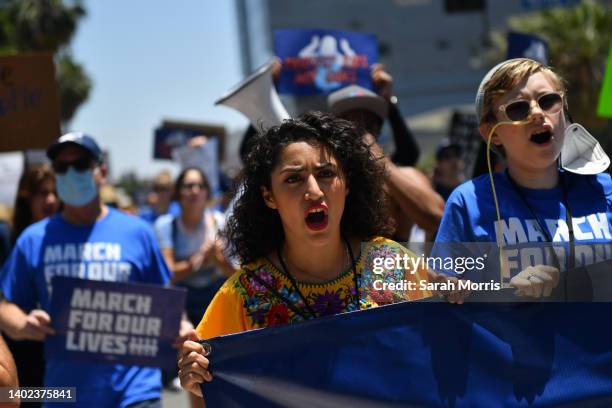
246	301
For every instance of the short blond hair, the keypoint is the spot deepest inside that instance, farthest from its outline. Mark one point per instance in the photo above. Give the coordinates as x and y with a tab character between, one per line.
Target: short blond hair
506	77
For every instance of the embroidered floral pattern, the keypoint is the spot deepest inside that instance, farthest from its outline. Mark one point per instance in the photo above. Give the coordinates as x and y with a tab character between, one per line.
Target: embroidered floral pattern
263	308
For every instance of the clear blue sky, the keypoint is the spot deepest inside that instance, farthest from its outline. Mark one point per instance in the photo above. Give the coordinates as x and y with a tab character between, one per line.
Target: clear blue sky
152	60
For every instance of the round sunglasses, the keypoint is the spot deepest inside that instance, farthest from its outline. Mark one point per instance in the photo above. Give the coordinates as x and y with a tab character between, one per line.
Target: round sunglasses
519	110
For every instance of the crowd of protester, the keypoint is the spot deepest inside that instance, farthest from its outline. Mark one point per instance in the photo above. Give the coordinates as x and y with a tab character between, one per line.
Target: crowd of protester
317	184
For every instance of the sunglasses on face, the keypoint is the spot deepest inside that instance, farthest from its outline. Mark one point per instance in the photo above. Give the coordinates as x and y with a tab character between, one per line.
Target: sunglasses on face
82	164
191	186
162	189
519	110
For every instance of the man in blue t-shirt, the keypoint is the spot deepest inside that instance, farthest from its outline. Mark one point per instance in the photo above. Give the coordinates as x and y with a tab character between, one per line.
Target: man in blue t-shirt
86	240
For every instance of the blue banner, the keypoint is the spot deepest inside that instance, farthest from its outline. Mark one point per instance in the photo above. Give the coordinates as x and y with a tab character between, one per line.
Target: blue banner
422	354
527	46
323	61
116	323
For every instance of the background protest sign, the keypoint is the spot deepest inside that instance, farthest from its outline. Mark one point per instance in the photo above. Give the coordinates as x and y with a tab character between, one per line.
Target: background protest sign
205	157
527	46
111	322
172	134
322	61
29	103
422	354
604	109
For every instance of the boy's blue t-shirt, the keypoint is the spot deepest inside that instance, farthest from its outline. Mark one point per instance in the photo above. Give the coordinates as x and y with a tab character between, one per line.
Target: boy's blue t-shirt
117	248
470	217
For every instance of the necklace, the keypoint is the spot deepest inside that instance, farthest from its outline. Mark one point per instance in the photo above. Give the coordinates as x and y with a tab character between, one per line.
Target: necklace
345	263
295	286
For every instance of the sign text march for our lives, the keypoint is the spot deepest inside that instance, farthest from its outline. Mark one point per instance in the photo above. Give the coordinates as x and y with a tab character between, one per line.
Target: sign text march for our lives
323	61
118	323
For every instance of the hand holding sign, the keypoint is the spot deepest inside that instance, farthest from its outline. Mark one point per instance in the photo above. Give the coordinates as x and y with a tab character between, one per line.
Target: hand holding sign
184	333
383	81
193	365
536	281
37	326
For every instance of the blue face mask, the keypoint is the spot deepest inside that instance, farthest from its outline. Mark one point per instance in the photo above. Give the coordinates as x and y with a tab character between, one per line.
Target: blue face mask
76	188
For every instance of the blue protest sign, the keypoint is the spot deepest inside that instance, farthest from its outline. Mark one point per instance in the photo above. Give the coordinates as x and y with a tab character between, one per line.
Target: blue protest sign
527	46
116	323
322	61
544	4
422	354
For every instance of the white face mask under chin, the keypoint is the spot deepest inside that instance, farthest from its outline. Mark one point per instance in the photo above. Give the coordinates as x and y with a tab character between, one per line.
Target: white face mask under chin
581	152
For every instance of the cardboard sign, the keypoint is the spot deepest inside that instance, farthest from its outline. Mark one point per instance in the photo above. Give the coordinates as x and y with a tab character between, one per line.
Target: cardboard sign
323	61
604	108
115	323
29	103
171	135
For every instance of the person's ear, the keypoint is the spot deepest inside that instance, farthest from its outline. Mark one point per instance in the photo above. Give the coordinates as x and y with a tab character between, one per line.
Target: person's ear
484	129
102	171
268	197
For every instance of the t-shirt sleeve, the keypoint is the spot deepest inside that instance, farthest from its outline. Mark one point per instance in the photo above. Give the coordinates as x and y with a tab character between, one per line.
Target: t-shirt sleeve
15	280
453	224
163	231
156	271
456	240
224	315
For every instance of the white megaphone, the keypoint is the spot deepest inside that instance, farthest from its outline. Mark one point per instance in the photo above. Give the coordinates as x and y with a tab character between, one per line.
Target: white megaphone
256	98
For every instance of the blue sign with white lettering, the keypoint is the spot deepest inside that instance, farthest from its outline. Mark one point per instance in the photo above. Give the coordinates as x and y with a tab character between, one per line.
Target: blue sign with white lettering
115	323
544	4
323	61
527	46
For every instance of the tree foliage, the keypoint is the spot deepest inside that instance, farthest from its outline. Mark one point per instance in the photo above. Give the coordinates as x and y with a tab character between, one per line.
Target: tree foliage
579	39
47	26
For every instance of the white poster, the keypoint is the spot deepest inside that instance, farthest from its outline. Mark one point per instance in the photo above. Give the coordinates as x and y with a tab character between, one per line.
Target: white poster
204	157
11	166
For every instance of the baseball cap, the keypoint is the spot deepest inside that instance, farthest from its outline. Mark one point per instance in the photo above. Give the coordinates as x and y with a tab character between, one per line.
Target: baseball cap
355	97
75	138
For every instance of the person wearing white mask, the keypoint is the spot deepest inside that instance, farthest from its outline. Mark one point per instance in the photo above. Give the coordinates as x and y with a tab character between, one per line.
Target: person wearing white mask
57	246
554	191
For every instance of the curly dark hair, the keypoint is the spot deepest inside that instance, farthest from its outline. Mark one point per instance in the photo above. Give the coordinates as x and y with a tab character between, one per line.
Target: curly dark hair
254	229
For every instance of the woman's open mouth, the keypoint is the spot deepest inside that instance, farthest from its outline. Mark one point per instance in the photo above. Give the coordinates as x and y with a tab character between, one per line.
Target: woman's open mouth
541	138
316	217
